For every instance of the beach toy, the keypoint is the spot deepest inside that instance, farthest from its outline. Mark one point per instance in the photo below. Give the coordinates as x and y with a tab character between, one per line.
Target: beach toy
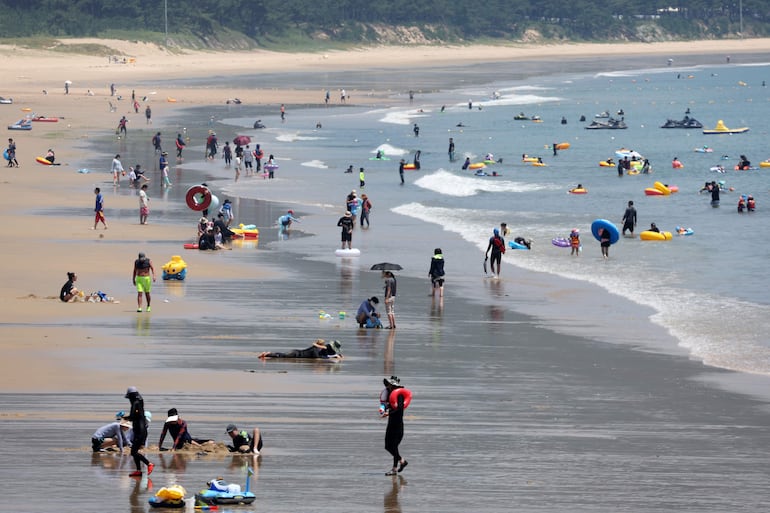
648	235
342	315
175	269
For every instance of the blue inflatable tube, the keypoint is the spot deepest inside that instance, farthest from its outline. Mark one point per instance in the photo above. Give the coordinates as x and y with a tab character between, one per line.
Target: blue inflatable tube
603	223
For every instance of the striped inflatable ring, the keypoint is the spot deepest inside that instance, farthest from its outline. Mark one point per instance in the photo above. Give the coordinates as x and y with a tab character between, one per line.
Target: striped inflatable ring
198	198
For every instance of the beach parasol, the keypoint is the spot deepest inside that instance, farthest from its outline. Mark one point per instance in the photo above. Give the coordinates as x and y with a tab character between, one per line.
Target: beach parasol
68	82
386	266
242	140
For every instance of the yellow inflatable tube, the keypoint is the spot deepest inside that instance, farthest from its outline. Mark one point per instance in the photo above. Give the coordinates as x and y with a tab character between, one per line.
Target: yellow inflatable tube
662	188
648	235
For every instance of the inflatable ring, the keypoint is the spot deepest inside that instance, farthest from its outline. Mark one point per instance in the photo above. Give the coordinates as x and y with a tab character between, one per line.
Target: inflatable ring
198	198
395	394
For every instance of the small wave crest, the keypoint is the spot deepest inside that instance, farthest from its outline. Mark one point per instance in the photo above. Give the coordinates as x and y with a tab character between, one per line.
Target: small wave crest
444	182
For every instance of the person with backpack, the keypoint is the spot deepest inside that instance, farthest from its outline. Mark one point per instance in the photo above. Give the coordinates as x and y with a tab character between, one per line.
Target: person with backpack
497	245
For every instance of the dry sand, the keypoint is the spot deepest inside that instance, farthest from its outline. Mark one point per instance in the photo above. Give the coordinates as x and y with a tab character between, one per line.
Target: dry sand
38	251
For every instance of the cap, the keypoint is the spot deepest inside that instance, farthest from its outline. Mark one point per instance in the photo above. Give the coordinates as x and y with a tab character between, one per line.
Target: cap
141	255
173	415
164	153
133	390
291	212
230	428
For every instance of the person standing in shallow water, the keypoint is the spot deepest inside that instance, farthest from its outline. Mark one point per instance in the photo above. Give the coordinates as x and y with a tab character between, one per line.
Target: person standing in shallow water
629	218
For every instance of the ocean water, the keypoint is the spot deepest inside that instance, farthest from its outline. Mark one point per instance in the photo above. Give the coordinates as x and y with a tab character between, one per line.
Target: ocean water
706	290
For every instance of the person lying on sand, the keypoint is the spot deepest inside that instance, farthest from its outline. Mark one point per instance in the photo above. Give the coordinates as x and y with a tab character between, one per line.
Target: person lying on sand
319	350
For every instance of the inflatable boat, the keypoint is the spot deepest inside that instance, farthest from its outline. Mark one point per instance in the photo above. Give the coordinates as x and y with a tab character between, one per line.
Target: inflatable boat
220	492
22	124
175	269
722	129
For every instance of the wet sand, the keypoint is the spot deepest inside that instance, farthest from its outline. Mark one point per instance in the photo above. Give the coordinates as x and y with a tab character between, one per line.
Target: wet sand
507	413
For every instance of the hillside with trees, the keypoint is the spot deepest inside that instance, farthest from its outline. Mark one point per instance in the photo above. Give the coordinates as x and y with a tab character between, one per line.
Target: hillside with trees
239	23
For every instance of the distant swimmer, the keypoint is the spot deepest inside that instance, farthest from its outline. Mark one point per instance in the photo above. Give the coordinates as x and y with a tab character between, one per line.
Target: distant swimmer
460	125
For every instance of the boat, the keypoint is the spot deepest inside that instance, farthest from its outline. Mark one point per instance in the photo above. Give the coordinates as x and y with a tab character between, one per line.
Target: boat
6	101
631	154
686	122
609	124
44	119
22	124
175	269
605	114
521	117
220	492
722	129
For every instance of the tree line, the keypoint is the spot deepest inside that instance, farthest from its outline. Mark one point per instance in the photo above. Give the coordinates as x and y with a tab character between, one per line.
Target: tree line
352	20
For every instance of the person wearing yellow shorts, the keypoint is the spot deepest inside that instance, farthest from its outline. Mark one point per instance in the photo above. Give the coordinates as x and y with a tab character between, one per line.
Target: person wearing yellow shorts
144	272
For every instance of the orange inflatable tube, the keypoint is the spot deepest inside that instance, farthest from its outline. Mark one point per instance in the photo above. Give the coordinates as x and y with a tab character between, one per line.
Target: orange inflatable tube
394	395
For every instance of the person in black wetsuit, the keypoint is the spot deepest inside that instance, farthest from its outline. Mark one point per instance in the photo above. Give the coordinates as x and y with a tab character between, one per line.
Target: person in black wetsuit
139	422
244	442
436	273
714	194
629	218
394	433
320	350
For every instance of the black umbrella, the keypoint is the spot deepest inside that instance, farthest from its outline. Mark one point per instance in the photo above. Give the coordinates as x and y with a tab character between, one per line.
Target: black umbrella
386	266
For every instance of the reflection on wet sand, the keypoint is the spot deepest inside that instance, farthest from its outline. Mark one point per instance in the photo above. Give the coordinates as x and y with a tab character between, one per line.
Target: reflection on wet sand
390	502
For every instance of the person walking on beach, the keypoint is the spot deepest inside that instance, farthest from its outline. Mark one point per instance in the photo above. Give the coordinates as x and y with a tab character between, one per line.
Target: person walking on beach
451	150
629	218
99	209
143	270
346	223
66	87
436	273
122	127
416	130
117	170
366	206
248	160
283	113
163	164
361	178
497	245
180	144
144	204
156	143
227	153
401	170
148	115
139	426
12	162
394	433
390	298
605	241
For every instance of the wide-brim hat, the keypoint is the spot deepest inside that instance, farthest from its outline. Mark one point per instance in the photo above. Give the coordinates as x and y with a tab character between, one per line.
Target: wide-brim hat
172	418
348	214
126	424
392	381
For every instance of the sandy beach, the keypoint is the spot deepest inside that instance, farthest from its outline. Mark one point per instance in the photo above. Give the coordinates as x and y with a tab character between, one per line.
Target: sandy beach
55	351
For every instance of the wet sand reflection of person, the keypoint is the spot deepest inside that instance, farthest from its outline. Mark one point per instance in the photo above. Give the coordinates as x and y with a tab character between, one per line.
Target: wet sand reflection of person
389	356
390	501
136	499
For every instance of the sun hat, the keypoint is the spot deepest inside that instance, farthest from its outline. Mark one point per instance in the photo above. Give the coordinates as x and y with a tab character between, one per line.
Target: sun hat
148	415
126	424
335	346
230	428
348	214
133	390
173	415
392	381
291	212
